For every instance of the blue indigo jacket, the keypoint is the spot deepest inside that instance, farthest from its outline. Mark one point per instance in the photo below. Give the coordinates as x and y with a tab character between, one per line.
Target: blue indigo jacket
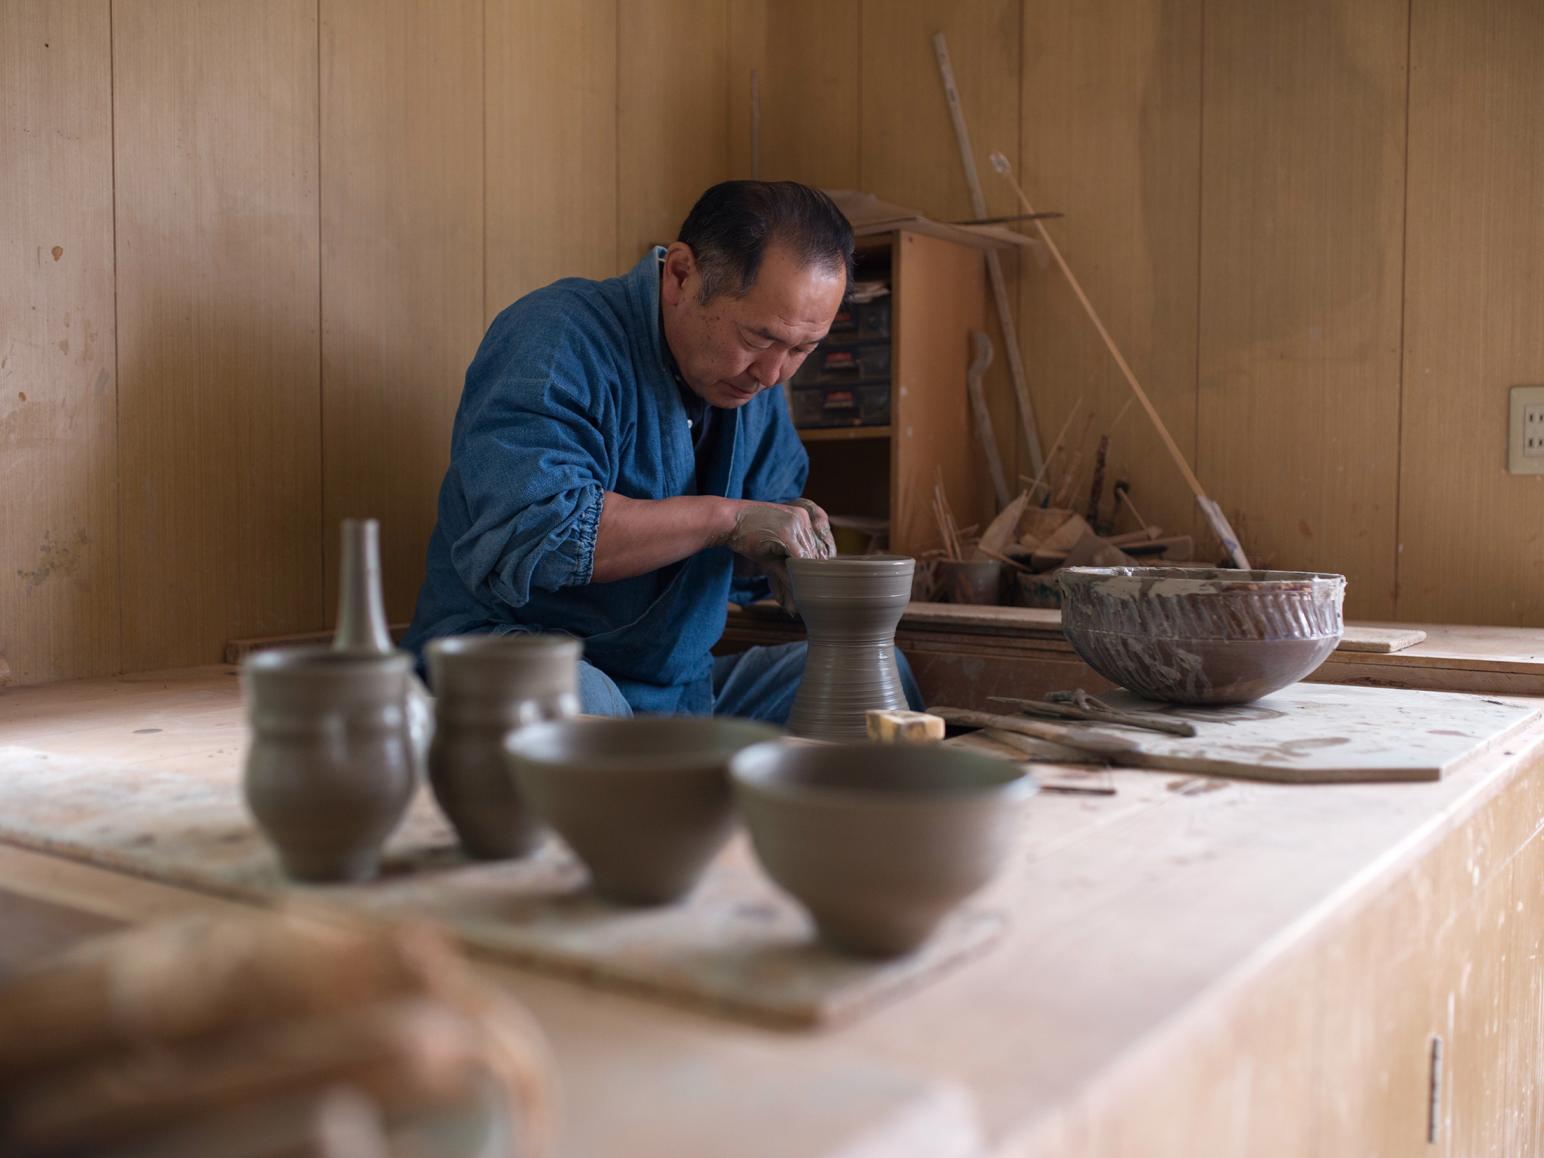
571	395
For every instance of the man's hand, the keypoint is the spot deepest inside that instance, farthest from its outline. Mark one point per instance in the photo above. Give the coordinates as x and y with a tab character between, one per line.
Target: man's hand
768	534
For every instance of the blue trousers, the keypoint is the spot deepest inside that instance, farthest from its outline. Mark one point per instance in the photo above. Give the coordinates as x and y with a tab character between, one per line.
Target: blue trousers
756	684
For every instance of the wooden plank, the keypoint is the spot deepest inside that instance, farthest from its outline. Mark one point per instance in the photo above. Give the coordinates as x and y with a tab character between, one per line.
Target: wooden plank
806	53
1111	116
218	312
673	117
551	128
940	295
1468	531
907	149
402	254
59	607
1301	265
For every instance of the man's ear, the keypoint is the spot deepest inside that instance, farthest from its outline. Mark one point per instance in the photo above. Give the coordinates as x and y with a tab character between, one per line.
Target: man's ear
680	273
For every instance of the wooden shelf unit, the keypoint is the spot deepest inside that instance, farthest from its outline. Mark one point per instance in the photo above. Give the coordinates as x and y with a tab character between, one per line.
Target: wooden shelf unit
938	295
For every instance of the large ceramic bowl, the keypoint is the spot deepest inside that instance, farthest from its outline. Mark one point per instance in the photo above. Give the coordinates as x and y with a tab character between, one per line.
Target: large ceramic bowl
643	802
878	841
1201	636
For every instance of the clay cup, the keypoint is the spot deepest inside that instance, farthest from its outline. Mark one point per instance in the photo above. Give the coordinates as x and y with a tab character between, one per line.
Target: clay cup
643	802
330	770
487	687
877	841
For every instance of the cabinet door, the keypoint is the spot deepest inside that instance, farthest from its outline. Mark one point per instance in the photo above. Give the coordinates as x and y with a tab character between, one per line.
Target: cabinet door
939	289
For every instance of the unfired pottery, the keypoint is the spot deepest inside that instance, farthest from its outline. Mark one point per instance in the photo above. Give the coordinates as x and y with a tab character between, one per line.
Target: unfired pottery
643	802
850	607
878	841
487	687
1187	635
362	626
330	770
978	581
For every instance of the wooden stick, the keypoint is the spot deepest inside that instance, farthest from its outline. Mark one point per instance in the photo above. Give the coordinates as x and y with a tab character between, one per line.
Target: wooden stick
1103	744
1094	711
1210	509
983	417
1039	479
994	265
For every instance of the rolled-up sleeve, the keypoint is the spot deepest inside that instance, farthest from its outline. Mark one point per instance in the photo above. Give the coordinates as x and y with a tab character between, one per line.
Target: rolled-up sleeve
533	466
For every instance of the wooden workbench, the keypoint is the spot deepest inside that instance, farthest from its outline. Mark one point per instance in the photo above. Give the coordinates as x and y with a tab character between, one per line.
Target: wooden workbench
1193	967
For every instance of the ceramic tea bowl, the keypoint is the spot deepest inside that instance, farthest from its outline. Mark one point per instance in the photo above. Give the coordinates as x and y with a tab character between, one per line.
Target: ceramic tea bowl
643	802
878	841
1187	635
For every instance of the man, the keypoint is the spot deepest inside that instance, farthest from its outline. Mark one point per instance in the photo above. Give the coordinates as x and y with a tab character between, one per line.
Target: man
623	463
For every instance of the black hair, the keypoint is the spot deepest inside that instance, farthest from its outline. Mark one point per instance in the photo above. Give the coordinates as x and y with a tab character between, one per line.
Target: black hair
732	223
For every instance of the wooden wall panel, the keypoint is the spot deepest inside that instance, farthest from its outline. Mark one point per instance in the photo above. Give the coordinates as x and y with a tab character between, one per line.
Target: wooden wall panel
672	117
1472	535
808	55
1302	195
1111	119
219	401
907	149
551	133
59	613
402	272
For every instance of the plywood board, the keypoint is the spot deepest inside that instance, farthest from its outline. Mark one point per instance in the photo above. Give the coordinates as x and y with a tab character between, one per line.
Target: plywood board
551	129
215	148
907	149
736	946
59	607
402	267
1471	547
1302	195
1324	733
1111	129
672	117
806	55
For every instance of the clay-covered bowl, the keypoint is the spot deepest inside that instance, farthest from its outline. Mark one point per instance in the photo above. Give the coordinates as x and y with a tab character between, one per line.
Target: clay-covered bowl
1187	635
643	802
878	841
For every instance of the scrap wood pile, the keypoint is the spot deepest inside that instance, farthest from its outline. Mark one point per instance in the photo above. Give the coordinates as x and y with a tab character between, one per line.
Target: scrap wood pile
264	1035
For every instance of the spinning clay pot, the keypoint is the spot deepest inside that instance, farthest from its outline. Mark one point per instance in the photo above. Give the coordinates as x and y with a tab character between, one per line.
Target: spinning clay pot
330	771
878	841
850	607
487	688
643	802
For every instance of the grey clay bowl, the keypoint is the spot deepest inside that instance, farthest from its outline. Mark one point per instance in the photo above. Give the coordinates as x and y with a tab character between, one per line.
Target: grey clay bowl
1186	635
643	802
878	841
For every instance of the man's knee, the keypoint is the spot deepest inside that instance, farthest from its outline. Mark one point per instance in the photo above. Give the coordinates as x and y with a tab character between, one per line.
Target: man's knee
599	695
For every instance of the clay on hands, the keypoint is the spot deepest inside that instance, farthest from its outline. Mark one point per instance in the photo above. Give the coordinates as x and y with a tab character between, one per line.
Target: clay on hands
769	533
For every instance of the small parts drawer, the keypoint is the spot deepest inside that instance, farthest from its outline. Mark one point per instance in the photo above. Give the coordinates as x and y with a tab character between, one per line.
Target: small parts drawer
861	404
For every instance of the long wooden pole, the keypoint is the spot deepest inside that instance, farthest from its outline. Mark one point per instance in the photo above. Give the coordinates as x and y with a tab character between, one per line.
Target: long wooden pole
994	265
1213	513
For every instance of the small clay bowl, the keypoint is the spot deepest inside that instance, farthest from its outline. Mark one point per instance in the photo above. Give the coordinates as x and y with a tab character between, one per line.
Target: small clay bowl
878	841
643	802
1186	635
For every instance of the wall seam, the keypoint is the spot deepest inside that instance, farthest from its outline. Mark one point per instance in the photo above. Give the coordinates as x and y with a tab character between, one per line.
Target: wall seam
119	664
1404	305
321	338
1195	429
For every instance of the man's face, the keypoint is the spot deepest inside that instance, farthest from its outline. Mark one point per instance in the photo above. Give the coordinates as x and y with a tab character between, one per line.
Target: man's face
732	348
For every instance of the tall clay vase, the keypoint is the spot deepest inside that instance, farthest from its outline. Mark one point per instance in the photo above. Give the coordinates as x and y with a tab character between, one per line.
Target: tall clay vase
488	687
361	623
330	770
850	606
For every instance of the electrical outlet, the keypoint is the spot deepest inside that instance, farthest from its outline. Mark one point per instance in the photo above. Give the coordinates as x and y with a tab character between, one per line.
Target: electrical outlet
1525	434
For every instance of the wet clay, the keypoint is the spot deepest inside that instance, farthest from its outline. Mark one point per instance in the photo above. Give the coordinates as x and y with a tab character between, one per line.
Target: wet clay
488	687
878	841
1198	636
850	606
643	802
330	770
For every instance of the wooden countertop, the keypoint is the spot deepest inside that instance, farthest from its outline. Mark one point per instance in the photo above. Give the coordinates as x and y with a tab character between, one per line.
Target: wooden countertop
1189	962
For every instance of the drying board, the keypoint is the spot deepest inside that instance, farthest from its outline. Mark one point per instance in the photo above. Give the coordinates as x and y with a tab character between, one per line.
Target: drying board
1327	733
735	947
